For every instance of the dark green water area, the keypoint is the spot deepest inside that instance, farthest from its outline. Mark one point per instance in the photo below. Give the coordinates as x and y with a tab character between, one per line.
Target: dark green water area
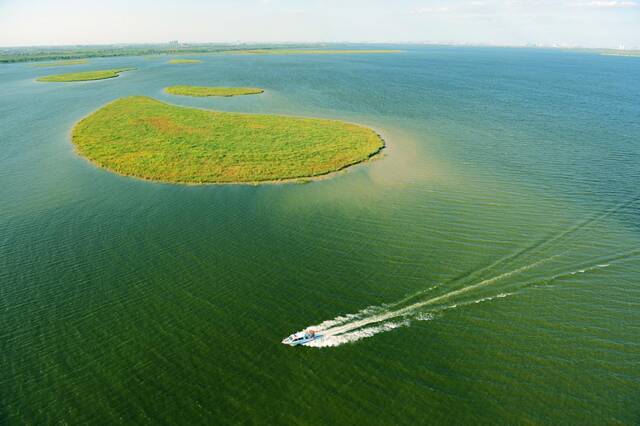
486	270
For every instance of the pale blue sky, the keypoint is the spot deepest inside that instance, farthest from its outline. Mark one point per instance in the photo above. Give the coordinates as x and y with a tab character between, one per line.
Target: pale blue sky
592	23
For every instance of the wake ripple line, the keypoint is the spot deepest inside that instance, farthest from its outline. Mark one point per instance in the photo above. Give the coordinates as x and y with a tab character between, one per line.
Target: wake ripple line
340	327
596	217
352	327
347	332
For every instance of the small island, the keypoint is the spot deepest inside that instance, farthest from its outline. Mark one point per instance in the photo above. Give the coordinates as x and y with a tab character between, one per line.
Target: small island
202	91
84	76
143	137
185	61
62	63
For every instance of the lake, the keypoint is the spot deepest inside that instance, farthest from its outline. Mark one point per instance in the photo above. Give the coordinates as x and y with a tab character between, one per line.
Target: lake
485	270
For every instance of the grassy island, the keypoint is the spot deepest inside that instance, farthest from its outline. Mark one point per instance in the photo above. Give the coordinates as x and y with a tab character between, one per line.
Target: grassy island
62	63
143	137
84	76
212	91
185	61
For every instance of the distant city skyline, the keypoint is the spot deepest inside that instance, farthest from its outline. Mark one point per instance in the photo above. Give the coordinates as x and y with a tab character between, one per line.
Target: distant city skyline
561	23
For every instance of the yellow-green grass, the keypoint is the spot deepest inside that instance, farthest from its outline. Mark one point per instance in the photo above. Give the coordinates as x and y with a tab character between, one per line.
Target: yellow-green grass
62	63
143	137
308	52
211	91
84	76
185	61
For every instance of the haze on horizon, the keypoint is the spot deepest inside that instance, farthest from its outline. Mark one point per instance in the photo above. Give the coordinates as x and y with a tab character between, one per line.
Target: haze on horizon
587	23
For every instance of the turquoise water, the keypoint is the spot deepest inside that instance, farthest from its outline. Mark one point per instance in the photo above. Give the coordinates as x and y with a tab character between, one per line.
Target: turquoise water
486	270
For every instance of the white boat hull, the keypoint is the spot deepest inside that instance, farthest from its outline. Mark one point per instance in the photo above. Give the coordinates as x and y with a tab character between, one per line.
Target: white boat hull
300	339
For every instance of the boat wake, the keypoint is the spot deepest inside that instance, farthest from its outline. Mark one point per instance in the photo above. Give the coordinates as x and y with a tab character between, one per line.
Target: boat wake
379	319
353	336
428	304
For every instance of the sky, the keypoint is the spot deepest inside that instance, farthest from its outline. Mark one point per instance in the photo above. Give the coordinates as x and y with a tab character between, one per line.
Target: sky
587	23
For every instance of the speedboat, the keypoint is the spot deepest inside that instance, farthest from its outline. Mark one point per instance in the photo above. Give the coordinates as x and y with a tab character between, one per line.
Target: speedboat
301	338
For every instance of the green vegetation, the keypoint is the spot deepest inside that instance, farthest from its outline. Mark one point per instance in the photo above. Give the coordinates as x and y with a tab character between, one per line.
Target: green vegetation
146	138
185	61
308	52
212	91
84	76
27	54
62	63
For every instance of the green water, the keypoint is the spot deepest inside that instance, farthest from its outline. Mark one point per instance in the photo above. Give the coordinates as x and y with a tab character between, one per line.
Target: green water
486	270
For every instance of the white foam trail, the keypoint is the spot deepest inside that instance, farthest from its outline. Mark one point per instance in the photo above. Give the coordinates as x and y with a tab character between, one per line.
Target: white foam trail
475	302
584	270
427	316
371	310
490	298
340	339
353	327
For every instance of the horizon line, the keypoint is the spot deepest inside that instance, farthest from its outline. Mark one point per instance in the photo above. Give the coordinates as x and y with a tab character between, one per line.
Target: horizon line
303	43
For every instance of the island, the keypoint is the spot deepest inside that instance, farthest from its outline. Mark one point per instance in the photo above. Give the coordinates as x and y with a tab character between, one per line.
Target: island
62	63
185	61
149	139
84	76
202	91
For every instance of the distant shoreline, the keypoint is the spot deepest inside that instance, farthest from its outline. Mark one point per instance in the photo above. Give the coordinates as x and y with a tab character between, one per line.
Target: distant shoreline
628	55
57	53
20	55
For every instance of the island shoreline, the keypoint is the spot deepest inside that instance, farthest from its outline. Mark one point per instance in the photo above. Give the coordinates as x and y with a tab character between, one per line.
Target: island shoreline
374	156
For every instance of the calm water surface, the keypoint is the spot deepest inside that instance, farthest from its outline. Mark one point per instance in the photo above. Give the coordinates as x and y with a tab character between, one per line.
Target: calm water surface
486	270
